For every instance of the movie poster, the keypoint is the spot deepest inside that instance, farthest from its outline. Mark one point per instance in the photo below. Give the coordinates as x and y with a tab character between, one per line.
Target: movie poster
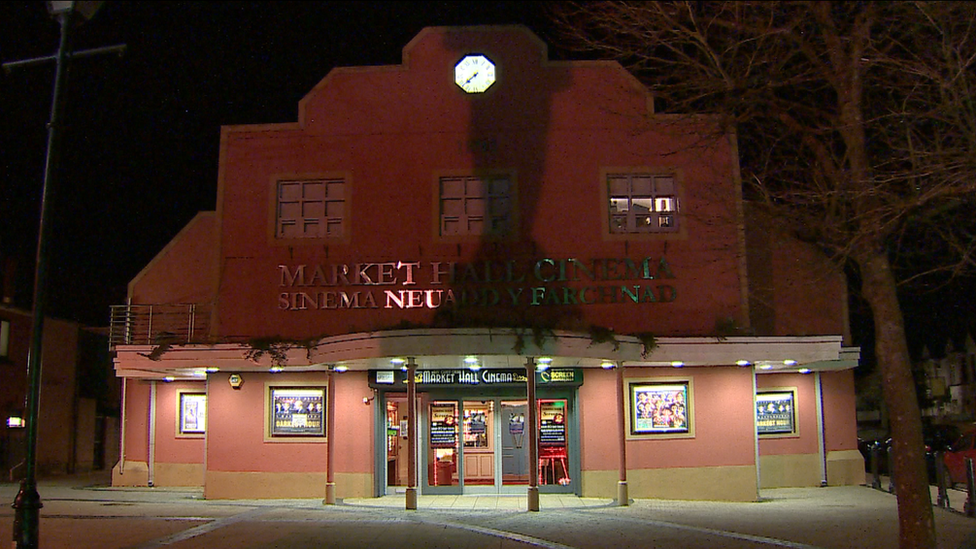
659	408
552	423
443	426
775	413
193	413
298	411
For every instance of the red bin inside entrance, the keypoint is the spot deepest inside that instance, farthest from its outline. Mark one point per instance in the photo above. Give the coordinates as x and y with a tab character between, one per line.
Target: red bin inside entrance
442	472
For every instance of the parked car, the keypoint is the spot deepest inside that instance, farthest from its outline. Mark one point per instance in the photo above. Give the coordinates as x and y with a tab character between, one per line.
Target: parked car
937	438
955	457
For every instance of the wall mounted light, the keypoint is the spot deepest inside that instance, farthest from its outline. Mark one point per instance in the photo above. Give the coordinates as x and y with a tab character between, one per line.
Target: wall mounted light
235	381
607	365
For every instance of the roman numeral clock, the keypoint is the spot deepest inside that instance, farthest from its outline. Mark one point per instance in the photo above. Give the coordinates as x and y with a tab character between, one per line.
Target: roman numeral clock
474	73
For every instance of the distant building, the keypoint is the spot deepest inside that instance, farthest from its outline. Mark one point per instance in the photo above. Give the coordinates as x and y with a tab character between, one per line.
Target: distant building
950	383
78	422
549	257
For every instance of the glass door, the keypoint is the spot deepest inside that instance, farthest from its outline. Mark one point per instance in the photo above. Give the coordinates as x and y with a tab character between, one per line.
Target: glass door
514	454
478	419
443	452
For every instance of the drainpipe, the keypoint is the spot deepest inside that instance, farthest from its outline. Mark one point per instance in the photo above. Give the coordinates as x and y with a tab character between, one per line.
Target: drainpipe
533	492
411	503
330	446
820	429
152	433
755	432
125	383
623	498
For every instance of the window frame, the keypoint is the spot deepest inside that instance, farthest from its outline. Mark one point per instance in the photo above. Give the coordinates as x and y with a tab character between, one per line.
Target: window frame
487	177
275	220
678	231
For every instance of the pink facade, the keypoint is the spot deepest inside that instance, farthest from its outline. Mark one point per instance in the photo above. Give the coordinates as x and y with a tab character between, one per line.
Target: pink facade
474	232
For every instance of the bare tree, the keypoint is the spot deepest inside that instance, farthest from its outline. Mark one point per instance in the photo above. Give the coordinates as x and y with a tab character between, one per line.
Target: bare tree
856	129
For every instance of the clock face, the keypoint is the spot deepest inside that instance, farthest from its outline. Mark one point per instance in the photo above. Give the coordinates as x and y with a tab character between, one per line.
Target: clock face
474	73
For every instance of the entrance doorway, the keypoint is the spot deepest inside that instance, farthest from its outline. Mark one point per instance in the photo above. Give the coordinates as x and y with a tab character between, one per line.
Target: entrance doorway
477	445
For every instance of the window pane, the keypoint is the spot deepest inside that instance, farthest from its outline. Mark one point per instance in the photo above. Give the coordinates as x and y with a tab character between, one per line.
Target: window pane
335	190
335	209
4	338
619	204
501	206
499	187
476	225
452	188
289	191
453	208
641	186
334	228
642	205
313	210
475	206
618	224
289	210
288	229
450	226
664	185
311	227
475	187
314	190
619	186
665	204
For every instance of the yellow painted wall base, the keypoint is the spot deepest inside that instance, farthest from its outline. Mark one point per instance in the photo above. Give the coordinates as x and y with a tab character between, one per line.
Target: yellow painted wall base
789	471
136	473
691	483
252	485
845	468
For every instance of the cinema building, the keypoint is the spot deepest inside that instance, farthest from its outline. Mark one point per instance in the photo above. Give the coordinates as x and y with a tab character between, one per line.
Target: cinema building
484	272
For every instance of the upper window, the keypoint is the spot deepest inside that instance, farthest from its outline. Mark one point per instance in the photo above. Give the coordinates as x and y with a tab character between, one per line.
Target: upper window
641	203
475	206
310	209
4	339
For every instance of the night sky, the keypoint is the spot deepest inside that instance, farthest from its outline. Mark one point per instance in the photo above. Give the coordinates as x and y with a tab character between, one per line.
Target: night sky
141	131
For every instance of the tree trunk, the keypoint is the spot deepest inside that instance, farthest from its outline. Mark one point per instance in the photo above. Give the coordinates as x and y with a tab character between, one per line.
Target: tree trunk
916	522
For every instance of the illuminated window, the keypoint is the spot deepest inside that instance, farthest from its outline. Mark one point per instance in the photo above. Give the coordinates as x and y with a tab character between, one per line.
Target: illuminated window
310	209
475	206
641	203
4	339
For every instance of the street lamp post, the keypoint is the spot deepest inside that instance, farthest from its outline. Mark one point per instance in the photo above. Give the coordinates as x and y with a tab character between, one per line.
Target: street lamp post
27	504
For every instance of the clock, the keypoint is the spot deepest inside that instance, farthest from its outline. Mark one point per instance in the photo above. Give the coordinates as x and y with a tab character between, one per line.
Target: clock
474	73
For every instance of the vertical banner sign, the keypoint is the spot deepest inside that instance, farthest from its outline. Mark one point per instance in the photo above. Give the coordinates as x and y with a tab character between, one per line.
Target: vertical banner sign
443	426
298	411
552	427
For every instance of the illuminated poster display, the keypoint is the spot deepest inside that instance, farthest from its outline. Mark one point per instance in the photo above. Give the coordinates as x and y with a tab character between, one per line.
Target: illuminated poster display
552	423
298	411
443	426
659	408
775	413
193	413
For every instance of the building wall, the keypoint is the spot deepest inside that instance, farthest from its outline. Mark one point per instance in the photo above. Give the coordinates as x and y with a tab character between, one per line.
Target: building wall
721	444
183	271
557	128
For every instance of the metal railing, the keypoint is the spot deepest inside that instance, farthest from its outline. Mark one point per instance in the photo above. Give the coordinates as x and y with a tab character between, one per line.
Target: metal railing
173	323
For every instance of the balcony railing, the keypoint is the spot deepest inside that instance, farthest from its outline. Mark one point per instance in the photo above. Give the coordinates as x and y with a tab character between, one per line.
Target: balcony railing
175	323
